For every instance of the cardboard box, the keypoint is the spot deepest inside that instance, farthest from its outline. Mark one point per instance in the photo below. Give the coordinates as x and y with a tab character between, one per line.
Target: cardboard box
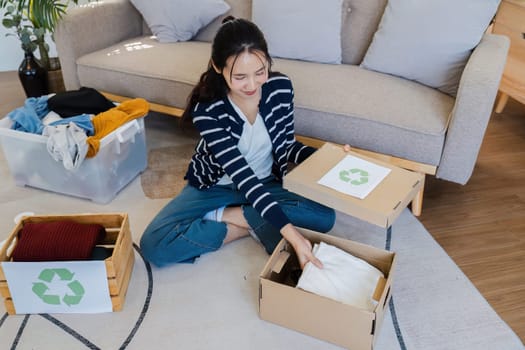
118	266
121	157
381	207
321	317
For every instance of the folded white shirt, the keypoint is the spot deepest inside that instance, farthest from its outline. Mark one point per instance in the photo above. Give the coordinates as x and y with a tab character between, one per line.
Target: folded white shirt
344	277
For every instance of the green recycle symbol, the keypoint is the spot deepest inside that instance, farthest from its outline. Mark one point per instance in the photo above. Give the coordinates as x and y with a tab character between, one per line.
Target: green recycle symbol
345	175
47	275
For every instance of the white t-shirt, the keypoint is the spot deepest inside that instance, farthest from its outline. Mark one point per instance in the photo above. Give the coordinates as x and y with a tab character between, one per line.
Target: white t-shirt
255	145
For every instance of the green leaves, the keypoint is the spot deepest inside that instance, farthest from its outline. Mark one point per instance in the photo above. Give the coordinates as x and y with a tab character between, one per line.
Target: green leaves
26	37
15	20
41	13
9	23
31	20
46	13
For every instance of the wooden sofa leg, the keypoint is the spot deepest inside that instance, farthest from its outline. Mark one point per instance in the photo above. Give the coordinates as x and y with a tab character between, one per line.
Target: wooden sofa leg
417	202
502	101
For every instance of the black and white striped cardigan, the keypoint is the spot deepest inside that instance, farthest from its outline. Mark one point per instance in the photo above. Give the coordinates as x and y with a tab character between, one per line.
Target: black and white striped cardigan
217	153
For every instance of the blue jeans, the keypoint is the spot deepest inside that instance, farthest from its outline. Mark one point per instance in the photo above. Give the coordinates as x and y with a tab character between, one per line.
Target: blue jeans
179	233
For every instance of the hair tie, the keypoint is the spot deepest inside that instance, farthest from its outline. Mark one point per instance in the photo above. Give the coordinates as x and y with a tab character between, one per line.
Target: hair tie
227	19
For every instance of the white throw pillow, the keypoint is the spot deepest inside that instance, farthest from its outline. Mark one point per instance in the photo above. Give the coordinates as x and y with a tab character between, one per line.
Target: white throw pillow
429	41
178	20
307	30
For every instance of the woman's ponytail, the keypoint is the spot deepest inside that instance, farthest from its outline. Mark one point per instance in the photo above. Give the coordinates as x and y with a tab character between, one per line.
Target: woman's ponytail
210	87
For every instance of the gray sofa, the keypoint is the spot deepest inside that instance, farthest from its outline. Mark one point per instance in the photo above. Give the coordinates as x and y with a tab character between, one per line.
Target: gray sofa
107	46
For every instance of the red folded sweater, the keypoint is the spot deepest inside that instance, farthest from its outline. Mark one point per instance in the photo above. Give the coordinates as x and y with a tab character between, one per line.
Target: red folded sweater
57	241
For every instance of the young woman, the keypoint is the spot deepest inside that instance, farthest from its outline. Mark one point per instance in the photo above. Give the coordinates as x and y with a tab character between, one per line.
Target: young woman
244	113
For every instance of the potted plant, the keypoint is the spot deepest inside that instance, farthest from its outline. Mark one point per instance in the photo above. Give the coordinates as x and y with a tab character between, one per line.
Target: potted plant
31	21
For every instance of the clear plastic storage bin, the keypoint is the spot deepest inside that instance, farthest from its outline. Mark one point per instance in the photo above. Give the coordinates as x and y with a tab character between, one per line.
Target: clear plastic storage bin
121	157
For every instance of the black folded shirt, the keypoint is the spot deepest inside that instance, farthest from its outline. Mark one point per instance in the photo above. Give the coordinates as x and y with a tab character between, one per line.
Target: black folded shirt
75	102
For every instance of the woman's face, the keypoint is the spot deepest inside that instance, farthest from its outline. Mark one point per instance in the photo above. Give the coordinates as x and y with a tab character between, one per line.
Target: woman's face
245	75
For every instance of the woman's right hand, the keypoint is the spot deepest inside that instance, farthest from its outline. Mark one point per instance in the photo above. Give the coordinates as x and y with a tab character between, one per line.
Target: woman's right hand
302	246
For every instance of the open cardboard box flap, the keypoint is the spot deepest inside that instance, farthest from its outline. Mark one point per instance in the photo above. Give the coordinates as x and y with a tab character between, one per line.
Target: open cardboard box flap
381	207
283	256
318	316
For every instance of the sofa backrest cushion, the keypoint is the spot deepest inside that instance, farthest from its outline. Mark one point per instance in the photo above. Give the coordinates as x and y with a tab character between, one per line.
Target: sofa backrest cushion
356	32
178	20
312	28
429	43
238	9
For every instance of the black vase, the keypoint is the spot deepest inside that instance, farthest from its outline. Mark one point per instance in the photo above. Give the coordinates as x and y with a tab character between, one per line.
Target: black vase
32	76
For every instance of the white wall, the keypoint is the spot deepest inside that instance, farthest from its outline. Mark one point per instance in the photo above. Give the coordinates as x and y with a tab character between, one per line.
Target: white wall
10	49
11	53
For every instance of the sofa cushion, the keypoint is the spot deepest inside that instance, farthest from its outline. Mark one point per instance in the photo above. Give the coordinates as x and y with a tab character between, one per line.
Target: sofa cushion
356	31
430	41
368	109
238	9
178	20
298	41
142	67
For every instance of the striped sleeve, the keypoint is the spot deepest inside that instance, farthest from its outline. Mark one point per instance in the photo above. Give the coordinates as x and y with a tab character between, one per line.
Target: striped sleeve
224	148
296	151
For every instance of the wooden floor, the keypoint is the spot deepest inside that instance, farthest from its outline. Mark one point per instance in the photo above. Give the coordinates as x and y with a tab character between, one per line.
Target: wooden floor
481	225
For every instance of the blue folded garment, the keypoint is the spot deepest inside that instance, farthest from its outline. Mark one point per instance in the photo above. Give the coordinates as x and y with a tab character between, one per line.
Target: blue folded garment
28	118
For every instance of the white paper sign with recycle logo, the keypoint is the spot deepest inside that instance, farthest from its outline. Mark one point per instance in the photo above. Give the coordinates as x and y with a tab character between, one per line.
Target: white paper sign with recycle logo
58	287
354	176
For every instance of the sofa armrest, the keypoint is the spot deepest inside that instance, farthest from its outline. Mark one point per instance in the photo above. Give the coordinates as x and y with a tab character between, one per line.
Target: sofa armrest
92	27
473	107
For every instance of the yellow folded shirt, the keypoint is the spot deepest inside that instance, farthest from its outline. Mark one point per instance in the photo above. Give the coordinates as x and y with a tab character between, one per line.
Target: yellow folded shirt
105	122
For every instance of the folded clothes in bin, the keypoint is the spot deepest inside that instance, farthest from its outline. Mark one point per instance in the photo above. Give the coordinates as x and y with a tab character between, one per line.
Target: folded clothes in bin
67	120
57	241
110	120
121	156
75	102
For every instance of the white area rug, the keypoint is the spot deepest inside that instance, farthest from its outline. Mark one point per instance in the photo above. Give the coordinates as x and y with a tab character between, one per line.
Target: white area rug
213	305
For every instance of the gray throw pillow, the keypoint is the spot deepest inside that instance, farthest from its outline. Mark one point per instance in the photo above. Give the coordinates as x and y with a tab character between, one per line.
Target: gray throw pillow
307	30
429	41
178	20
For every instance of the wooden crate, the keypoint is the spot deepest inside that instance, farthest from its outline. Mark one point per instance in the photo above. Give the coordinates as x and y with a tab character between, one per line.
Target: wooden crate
118	266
